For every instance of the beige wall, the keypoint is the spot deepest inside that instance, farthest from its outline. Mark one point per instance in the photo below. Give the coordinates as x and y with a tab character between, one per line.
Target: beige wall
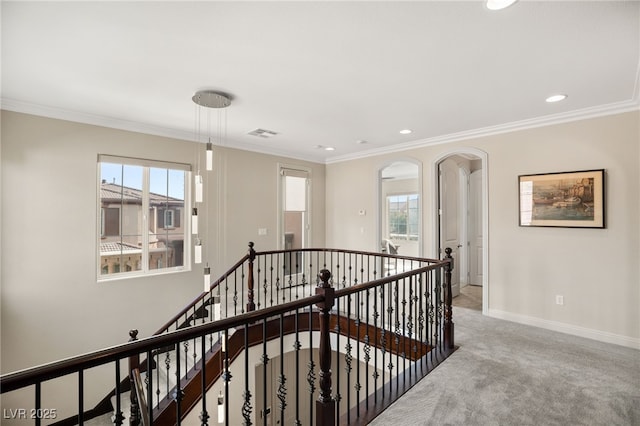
596	270
52	306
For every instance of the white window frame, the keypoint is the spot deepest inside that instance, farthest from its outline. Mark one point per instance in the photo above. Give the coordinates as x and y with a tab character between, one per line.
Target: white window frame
168	218
100	215
407	236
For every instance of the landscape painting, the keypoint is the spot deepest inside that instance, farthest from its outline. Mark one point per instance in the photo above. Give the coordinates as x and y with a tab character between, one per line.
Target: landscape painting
567	199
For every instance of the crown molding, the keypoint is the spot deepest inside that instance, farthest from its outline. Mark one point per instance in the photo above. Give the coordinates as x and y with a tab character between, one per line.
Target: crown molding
120	124
93	119
548	120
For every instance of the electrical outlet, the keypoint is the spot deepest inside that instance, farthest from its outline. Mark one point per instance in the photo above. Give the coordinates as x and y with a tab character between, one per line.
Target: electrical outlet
559	300
262	231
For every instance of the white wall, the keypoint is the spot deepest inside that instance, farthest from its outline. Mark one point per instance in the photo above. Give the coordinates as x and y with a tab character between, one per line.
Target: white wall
52	307
596	270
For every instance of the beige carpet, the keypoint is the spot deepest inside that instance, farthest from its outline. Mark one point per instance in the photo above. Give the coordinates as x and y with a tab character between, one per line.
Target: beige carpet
515	375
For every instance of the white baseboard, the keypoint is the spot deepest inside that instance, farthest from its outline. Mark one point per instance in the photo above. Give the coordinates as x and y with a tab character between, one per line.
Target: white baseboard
602	336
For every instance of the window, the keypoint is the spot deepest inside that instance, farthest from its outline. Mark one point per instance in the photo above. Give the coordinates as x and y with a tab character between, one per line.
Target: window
141	203
403	220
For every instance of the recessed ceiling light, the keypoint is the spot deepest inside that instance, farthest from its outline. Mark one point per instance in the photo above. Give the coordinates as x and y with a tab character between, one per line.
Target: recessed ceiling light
499	4
405	131
361	142
329	148
556	98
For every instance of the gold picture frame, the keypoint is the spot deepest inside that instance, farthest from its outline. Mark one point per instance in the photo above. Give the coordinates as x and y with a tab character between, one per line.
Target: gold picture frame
564	200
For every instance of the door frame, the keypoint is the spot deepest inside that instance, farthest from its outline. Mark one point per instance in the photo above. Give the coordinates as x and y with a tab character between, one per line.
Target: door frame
379	201
483	156
281	199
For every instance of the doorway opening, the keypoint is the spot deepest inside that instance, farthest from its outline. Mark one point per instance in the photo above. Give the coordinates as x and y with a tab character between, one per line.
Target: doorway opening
294	226
400	208
462	223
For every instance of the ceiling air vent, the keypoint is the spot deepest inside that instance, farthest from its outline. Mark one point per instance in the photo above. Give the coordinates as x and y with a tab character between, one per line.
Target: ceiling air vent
263	133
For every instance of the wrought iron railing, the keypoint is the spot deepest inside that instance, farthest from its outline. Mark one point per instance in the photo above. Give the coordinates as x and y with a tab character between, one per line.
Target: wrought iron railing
351	330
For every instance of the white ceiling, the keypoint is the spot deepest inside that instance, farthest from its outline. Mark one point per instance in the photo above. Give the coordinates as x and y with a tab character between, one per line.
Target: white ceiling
322	73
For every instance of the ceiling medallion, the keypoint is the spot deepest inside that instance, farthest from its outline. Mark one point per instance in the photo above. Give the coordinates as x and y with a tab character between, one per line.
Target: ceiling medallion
211	99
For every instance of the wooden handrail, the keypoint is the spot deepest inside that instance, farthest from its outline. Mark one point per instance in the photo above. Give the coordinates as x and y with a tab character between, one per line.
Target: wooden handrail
30	376
216	283
359	252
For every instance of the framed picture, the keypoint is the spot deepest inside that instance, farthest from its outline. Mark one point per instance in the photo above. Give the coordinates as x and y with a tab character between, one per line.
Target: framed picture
566	200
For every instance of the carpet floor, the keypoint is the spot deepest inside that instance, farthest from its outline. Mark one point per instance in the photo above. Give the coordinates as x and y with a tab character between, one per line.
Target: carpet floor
511	374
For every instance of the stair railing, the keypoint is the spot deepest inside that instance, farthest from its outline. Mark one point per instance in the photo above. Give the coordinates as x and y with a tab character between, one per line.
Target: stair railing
389	331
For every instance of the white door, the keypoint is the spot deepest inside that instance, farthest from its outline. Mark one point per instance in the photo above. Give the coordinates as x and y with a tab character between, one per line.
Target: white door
475	228
450	233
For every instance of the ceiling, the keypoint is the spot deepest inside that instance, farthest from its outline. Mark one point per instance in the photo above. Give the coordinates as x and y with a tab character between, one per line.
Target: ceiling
322	74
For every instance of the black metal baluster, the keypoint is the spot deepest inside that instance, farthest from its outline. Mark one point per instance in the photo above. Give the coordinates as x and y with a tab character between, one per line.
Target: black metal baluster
383	340
118	417
271	282
296	347
178	393
282	379
366	350
399	331
311	376
38	401
338	397
246	406
390	311
204	415
410	325
284	272
80	398
362	268
263	281
167	365
226	376
149	383
185	344
438	289
265	364
405	337
235	288
375	345
348	359
358	332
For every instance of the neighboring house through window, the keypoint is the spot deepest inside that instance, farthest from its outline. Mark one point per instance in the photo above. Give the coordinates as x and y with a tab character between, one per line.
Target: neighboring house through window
142	226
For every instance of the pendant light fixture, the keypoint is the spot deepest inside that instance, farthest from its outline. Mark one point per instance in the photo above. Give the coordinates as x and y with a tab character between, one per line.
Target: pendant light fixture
207	278
197	251
194	221
205	102
209	156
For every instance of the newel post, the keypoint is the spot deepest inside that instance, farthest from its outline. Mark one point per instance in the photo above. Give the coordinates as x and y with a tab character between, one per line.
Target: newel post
325	405
134	363
251	306
448	322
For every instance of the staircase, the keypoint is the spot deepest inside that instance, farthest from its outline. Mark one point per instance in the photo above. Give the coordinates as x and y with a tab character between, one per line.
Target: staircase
385	333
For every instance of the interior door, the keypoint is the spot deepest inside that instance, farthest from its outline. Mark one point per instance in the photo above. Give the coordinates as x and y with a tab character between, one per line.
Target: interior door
475	228
450	232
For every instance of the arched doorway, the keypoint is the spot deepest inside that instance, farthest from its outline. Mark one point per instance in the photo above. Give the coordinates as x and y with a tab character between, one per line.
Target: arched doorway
460	196
400	207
